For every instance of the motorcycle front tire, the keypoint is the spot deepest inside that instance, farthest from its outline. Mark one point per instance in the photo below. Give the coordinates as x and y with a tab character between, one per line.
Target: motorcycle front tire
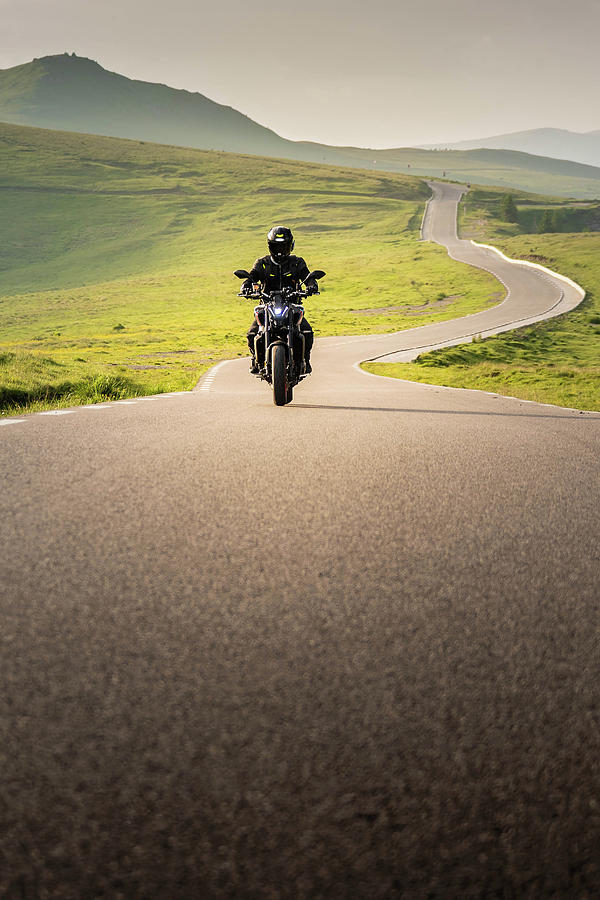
279	375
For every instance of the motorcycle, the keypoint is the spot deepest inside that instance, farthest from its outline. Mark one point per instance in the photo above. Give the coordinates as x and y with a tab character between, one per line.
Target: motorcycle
279	344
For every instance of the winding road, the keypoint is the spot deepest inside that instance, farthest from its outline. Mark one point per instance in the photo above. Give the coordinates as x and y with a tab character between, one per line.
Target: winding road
348	648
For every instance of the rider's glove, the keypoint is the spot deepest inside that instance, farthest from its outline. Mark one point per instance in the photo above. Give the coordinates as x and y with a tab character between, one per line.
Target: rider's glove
246	288
312	287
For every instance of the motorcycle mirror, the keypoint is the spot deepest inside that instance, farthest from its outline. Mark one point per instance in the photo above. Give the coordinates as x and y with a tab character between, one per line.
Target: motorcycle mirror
318	273
241	273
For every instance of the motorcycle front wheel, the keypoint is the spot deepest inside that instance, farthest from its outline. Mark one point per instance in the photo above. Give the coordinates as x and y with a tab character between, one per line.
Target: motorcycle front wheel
279	375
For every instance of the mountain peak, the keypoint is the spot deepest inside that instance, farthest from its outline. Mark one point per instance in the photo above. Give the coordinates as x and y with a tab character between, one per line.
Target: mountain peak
69	59
67	63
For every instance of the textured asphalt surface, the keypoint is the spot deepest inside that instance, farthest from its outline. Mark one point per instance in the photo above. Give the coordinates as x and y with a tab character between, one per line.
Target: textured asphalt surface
348	648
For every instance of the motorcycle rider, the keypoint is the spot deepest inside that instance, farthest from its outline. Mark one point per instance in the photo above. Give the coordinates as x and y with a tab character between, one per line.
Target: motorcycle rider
274	272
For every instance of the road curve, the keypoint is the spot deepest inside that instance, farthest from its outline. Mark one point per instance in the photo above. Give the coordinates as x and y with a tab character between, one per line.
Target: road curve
534	292
347	648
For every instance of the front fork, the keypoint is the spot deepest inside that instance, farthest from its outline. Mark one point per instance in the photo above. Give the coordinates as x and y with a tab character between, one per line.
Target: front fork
268	345
264	334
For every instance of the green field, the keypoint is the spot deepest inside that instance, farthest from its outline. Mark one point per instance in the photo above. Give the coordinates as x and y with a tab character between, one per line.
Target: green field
116	260
557	361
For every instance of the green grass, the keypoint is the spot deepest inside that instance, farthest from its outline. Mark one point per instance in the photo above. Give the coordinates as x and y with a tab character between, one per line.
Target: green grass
37	382
557	361
116	260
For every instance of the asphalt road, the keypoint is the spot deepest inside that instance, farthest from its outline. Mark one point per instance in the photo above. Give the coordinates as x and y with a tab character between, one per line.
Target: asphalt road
347	648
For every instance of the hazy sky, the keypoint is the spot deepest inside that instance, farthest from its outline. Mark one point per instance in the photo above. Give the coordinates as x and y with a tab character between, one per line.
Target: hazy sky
378	73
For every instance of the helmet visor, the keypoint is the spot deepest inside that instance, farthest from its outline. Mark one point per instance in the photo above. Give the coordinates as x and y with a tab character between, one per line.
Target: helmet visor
279	248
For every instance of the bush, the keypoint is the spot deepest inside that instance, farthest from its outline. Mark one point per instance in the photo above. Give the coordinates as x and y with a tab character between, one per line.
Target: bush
508	209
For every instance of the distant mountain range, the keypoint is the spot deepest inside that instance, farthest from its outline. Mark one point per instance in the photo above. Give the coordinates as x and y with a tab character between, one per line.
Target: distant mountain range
583	147
71	93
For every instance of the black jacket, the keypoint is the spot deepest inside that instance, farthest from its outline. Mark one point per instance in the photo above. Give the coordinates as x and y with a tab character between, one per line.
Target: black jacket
274	277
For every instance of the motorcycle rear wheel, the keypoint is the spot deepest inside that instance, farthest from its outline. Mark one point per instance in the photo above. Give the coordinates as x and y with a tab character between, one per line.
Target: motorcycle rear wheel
279	375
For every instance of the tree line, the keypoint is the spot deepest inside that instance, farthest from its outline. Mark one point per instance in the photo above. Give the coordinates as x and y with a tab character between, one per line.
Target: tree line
550	221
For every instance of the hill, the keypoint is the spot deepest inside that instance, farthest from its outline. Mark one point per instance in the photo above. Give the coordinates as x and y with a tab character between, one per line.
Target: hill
504	168
554	142
70	93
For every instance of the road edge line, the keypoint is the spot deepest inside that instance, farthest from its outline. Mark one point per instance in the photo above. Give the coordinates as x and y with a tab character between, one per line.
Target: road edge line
205	381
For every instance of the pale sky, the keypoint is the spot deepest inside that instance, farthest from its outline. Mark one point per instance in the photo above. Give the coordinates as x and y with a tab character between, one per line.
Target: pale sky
372	73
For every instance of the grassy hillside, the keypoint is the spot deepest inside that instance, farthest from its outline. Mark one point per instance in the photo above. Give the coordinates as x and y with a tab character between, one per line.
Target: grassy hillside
506	168
553	362
116	259
77	94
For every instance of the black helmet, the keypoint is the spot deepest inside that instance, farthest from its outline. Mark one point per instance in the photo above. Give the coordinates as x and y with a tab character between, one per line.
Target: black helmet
281	242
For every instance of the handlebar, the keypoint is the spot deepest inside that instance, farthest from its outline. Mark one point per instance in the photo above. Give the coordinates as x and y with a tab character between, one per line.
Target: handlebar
261	295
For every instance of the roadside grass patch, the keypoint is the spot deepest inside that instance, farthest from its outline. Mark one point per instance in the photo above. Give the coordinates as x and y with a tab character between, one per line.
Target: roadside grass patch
576	388
31	382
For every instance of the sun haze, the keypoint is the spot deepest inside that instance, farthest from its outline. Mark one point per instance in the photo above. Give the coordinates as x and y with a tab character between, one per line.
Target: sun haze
380	74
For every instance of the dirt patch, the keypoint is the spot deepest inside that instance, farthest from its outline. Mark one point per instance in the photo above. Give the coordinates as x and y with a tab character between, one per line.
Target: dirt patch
536	258
318	228
166	353
423	309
